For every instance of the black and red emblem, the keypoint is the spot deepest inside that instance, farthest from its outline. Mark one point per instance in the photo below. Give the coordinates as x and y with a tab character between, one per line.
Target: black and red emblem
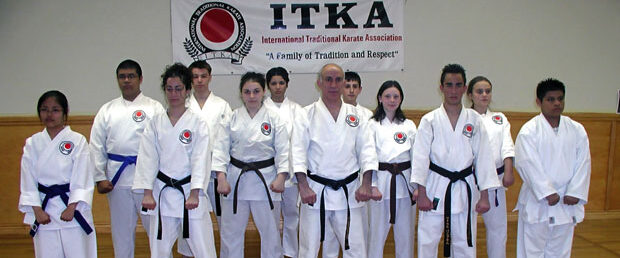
400	137
217	30
352	120
138	115
186	136
66	147
468	130
498	119
265	128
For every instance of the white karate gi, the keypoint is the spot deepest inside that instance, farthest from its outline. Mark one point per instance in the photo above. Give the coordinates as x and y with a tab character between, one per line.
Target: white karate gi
550	162
330	244
394	144
251	140
289	208
498	129
215	110
177	151
62	160
117	129
334	150
454	150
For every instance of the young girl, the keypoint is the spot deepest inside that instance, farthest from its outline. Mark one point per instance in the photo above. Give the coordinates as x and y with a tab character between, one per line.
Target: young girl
393	136
277	80
171	170
498	128
252	154
57	185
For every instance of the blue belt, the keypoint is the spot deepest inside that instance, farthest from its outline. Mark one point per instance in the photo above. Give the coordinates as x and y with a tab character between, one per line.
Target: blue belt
59	190
127	160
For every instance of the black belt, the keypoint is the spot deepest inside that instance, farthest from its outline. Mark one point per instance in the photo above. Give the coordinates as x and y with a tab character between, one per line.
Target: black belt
176	184
59	190
447	209
251	166
396	169
334	184
216	195
500	171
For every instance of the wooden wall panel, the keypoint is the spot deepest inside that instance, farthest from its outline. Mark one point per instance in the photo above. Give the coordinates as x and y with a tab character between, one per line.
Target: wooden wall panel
604	188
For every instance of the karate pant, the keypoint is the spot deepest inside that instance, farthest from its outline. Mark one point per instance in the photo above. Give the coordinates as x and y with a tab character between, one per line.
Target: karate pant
200	239
290	215
331	248
182	245
310	231
430	231
232	230
379	215
125	206
496	225
542	240
65	242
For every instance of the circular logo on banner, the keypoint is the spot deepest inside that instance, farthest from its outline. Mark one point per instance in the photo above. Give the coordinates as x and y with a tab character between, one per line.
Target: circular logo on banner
186	136
468	130
66	147
217	30
138	116
400	137
352	120
498	119
265	128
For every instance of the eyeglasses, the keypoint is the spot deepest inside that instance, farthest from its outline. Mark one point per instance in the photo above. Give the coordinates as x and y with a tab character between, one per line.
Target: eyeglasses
130	76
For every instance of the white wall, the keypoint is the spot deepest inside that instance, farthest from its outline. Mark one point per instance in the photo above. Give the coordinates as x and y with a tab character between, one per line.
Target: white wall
75	46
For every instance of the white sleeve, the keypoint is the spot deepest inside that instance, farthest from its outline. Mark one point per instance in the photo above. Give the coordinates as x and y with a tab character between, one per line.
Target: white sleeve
421	156
529	165
98	150
81	182
29	193
486	174
300	142
579	184
366	149
281	144
508	146
200	158
147	164
221	146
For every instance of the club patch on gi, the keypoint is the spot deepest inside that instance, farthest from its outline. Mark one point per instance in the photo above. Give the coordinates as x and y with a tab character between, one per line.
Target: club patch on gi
265	128
185	136
66	147
400	137
498	119
352	120
468	130
138	116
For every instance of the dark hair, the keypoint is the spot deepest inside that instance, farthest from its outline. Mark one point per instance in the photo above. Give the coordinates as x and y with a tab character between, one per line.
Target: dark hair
252	77
452	68
477	79
61	99
200	64
353	76
277	71
548	85
379	113
129	64
177	70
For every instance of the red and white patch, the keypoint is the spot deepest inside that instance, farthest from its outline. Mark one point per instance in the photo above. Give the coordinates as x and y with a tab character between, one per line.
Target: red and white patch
352	120
66	147
186	136
468	130
138	115
498	119
265	128
400	137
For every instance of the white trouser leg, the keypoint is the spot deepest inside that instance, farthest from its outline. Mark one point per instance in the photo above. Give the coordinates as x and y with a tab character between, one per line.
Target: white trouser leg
430	229
357	243
403	227
496	225
265	221
541	240
170	227
459	235
379	214
66	242
309	232
200	241
123	220
290	214
232	230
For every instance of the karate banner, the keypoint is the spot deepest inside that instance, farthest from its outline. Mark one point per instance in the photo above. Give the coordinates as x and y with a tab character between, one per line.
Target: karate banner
236	36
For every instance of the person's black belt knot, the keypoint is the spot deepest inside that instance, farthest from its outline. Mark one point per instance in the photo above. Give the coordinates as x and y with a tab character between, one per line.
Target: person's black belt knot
447	210
61	191
336	185
396	169
176	184
251	166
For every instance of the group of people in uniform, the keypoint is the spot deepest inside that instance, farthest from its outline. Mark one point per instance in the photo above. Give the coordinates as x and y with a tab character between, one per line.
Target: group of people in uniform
331	176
